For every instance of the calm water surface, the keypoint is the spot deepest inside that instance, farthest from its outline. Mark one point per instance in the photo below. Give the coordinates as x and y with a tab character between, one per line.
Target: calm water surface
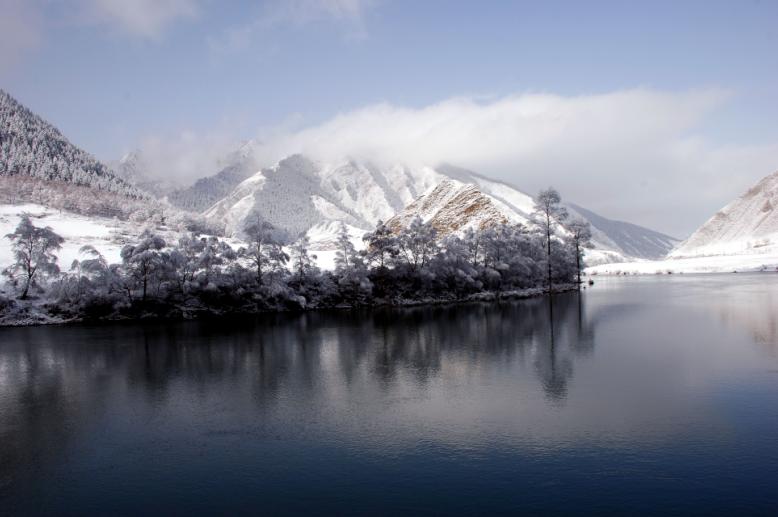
643	395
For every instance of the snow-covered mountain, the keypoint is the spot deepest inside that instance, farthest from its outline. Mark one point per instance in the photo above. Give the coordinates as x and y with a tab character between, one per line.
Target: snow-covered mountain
302	195
631	239
749	224
453	206
31	147
135	169
298	194
236	167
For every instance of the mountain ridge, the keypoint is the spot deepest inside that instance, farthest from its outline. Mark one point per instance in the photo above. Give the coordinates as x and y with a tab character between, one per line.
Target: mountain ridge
749	223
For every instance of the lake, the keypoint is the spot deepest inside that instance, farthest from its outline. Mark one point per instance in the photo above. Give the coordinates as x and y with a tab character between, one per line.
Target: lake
641	395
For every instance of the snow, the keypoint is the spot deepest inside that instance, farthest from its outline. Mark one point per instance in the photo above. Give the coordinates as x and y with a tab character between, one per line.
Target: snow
747	224
299	193
767	261
742	236
106	235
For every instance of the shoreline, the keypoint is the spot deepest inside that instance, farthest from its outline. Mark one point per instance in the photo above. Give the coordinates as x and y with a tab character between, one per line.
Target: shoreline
43	319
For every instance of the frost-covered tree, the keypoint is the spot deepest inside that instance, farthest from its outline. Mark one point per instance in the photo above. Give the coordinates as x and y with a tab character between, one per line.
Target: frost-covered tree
351	272
184	259
548	213
303	263
454	270
417	244
264	250
380	246
33	250
143	261
473	244
215	254
30	146
580	237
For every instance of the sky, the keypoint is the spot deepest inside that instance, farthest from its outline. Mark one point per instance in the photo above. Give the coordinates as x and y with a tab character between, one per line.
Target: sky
657	113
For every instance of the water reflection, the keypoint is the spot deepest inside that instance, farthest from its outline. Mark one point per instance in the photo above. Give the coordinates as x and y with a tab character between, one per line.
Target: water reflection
621	368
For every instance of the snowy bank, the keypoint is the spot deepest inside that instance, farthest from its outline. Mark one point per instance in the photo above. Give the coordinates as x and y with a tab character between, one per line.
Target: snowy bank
710	264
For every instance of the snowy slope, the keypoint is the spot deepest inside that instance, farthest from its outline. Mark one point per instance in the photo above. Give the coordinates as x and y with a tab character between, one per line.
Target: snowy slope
107	235
453	206
748	225
31	147
631	239
235	167
299	194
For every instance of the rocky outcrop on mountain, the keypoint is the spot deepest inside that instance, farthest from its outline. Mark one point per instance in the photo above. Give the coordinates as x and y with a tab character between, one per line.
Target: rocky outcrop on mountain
452	207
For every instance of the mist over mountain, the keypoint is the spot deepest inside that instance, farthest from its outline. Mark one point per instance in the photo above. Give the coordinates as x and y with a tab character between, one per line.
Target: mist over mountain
301	195
204	192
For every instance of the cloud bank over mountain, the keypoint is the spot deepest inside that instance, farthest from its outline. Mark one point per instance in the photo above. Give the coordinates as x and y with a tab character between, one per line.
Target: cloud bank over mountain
637	155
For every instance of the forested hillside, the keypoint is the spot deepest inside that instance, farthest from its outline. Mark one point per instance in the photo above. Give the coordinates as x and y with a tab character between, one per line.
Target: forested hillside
30	146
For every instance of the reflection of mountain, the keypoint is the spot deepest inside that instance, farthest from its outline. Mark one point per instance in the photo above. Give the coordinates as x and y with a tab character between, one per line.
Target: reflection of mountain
754	309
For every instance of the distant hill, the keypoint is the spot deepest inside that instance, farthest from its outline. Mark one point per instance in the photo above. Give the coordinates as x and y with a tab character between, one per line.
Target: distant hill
200	196
633	240
30	146
749	224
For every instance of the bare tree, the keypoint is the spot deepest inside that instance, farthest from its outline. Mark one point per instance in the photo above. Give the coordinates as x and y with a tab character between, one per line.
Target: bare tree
265	250
549	212
581	236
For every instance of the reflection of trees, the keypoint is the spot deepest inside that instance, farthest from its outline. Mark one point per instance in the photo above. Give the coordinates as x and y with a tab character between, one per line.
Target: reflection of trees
56	380
564	332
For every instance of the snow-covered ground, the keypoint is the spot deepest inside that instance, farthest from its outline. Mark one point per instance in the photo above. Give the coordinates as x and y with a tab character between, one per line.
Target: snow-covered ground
767	260
108	235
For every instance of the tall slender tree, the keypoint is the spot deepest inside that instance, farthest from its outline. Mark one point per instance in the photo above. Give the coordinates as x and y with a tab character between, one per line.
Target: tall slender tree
581	236
549	212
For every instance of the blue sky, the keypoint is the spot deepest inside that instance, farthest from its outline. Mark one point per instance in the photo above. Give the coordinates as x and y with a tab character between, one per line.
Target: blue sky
116	74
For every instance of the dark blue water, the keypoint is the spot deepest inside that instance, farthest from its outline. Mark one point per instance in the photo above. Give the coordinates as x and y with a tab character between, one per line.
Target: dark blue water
654	395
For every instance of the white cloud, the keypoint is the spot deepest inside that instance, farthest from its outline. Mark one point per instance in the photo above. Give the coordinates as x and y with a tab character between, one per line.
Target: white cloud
142	18
635	155
186	155
349	15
